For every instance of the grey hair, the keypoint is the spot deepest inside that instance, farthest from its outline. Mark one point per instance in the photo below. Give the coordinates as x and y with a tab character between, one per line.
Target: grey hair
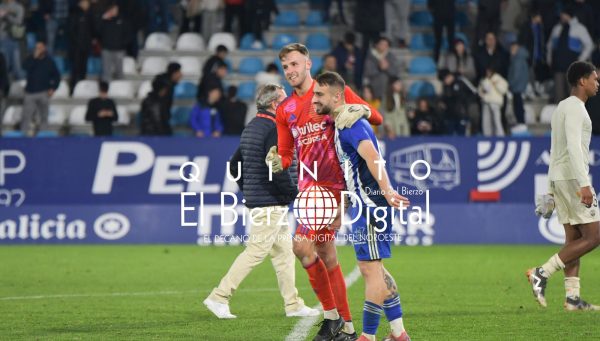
266	95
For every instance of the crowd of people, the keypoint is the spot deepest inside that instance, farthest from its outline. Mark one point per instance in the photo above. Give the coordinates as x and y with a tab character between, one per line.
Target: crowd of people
485	75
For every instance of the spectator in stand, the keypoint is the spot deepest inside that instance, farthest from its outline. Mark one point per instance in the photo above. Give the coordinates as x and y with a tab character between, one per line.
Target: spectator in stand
584	12
135	11
349	60
443	12
155	118
80	41
369	20
258	15
271	75
234	9
211	13
425	120
329	64
569	42
374	102
512	16
114	37
492	90
205	118
531	37
455	101
42	80
518	78
158	16
102	112
11	15
172	76
55	14
4	82
211	81
459	61
218	58
191	14
488	18
548	9
395	118
233	113
491	54
380	65
397	23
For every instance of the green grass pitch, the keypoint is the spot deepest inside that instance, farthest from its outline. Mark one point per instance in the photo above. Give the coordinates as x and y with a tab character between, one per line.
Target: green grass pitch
156	292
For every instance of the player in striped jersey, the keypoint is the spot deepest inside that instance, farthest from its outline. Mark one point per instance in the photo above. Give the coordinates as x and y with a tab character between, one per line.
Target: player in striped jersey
359	156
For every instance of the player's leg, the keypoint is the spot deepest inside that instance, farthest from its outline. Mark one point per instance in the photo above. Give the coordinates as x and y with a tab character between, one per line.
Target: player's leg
393	309
304	249
573	301
375	293
258	246
326	250
283	261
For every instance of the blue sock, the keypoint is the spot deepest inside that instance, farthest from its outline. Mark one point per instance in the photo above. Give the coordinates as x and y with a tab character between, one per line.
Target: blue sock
392	308
371	314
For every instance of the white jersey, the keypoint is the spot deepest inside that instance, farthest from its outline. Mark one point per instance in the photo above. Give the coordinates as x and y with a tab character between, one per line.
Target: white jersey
571	136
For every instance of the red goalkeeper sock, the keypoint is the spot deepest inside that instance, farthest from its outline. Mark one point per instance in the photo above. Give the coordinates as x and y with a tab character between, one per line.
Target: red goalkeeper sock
319	280
338	285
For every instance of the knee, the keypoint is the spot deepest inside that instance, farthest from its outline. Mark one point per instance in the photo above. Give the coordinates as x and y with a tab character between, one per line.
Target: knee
329	258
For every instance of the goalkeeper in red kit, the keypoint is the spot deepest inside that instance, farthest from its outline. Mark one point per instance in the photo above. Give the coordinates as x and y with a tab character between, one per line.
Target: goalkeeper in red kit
299	127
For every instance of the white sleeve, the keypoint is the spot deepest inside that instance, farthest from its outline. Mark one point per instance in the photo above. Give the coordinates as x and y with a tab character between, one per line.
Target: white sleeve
573	126
588	44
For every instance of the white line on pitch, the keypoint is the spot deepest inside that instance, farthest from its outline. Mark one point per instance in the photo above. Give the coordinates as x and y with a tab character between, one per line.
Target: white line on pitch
303	326
120	294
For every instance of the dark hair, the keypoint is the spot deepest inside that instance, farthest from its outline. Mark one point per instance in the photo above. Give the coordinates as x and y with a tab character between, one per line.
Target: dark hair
222	48
272	67
578	70
389	96
232	91
159	83
568	10
350	38
331	79
103	86
382	38
173	67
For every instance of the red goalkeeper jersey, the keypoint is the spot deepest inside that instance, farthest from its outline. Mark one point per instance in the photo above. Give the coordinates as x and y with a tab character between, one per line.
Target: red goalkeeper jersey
299	126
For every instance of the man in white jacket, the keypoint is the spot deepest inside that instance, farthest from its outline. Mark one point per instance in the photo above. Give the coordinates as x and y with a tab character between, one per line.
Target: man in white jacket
570	189
492	89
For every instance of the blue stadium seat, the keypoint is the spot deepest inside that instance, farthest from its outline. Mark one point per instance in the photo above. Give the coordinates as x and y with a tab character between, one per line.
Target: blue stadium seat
185	90
13	133
287	19
247	43
287	2
318	41
317	63
61	65
251	66
288	88
94	66
421	89
282	39
421	42
31	39
421	18
422	66
246	91
180	116
314	18
418	2
461	19
47	133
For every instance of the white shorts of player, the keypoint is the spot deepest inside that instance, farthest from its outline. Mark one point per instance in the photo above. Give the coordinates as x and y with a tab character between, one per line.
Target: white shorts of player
569	208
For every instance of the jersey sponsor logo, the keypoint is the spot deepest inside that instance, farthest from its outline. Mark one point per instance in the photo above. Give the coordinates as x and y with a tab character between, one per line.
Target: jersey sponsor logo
500	163
442	158
310	133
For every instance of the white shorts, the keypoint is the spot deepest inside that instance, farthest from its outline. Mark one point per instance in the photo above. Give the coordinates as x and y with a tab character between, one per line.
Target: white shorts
569	208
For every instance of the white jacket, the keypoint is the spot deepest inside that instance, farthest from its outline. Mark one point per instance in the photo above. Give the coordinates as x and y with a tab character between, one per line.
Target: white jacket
492	90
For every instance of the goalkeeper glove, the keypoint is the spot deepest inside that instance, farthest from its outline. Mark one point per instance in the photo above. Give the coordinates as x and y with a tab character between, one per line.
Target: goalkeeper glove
350	113
544	205
274	159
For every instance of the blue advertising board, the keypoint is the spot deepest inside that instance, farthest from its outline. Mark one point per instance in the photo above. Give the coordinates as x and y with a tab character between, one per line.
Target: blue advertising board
83	190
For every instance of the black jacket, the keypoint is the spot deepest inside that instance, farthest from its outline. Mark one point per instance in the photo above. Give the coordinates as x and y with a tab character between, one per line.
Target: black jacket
155	120
80	30
42	74
102	125
4	82
258	137
115	34
233	115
